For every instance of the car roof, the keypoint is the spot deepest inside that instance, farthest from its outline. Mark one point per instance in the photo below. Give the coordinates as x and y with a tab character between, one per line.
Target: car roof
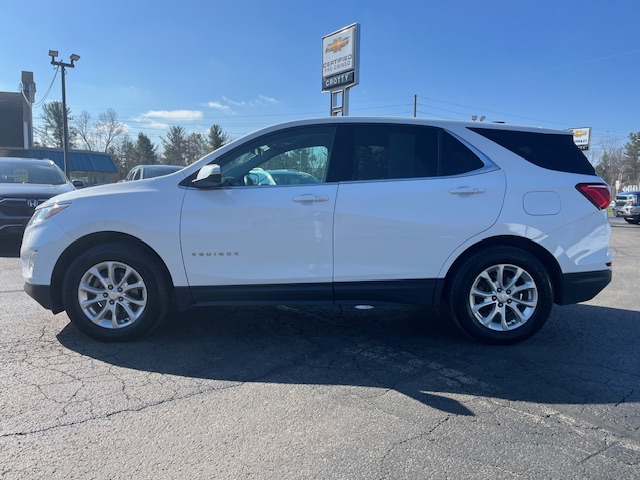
161	165
417	121
28	161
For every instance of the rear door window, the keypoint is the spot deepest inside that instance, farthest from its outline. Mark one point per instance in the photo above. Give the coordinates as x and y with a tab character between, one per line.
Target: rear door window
400	151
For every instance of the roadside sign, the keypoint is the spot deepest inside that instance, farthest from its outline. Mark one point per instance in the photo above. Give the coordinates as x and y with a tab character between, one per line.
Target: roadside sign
340	58
582	137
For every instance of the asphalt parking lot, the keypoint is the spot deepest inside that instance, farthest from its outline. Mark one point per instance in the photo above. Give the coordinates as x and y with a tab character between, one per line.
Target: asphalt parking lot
324	392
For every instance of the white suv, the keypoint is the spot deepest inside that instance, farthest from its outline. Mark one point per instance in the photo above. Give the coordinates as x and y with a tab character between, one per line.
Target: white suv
628	206
493	222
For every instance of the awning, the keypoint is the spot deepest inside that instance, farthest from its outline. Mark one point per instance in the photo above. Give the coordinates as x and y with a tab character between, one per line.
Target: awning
79	160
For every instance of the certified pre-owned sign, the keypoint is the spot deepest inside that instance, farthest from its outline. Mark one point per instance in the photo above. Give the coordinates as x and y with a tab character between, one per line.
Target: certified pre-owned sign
582	137
340	52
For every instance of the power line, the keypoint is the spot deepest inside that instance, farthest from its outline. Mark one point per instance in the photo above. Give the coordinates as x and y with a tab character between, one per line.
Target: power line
36	105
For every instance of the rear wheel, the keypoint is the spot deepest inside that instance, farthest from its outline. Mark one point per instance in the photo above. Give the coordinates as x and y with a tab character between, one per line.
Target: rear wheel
115	292
500	295
633	220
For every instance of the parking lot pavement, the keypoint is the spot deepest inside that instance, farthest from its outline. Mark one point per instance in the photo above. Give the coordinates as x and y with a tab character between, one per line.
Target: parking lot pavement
324	392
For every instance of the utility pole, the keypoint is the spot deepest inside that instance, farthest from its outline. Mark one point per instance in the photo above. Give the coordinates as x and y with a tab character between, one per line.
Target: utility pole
65	121
415	106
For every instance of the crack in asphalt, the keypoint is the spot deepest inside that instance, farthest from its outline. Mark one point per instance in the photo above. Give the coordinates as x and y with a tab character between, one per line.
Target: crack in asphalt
118	412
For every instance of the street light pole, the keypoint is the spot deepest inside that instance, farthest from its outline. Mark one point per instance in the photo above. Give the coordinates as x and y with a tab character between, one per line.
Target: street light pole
65	121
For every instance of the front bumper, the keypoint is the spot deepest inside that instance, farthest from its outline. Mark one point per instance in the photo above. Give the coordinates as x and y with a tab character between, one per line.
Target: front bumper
42	295
627	212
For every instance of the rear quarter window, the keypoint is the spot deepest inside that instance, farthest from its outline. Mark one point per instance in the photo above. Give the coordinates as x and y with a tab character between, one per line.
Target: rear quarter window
553	151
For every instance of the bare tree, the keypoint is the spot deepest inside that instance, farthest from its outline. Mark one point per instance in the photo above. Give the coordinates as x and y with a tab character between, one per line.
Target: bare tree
101	134
612	166
83	125
108	128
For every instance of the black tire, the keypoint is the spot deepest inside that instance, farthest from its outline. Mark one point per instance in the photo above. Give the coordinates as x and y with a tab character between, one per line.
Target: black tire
116	292
511	307
633	221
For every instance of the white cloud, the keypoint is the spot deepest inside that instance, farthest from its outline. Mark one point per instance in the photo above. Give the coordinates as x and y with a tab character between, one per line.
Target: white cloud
261	101
237	104
174	115
159	125
219	106
269	100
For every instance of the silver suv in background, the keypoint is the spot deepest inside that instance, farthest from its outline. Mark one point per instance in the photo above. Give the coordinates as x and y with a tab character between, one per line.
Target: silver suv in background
628	207
140	172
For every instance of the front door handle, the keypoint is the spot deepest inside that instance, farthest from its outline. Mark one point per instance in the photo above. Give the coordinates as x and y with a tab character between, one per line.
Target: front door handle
466	190
310	198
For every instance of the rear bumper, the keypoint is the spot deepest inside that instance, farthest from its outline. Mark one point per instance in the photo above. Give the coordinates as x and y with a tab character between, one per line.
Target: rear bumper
580	287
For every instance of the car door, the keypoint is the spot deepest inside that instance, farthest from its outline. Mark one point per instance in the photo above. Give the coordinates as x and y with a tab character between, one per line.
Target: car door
255	240
417	194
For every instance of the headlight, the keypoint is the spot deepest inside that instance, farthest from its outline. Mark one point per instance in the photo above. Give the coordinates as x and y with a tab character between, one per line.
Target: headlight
42	213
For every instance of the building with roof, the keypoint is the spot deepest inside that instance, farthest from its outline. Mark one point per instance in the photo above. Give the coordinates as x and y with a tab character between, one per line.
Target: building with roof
16	139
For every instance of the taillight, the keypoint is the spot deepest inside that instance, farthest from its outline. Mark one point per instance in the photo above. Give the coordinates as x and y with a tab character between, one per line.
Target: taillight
597	193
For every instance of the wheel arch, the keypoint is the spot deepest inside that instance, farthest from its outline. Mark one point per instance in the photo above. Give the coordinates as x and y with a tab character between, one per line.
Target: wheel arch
544	256
87	242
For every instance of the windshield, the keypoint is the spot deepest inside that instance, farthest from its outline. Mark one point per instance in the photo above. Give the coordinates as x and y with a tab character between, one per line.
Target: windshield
30	172
160	170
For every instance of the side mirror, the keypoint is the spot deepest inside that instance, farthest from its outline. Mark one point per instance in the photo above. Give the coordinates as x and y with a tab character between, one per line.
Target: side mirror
209	176
78	183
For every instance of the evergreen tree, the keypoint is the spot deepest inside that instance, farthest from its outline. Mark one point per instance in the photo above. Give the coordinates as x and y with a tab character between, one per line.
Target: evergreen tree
632	157
146	153
217	137
175	146
52	131
632	147
125	156
196	147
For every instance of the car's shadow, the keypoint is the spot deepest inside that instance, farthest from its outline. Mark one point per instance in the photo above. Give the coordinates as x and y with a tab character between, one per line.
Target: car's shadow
584	355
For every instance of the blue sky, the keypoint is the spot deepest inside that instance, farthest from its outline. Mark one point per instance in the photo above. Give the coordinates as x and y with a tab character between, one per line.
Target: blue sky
245	64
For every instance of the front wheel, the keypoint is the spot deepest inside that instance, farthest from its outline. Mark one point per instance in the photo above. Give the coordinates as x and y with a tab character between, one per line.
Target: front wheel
115	292
500	295
633	220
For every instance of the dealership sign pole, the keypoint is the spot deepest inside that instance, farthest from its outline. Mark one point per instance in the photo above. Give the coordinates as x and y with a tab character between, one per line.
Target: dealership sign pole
341	66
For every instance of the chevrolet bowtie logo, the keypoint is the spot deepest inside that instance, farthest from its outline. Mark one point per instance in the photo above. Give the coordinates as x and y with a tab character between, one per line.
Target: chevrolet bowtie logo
337	45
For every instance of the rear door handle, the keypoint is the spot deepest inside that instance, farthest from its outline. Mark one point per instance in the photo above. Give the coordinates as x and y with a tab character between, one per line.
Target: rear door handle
310	198
466	190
